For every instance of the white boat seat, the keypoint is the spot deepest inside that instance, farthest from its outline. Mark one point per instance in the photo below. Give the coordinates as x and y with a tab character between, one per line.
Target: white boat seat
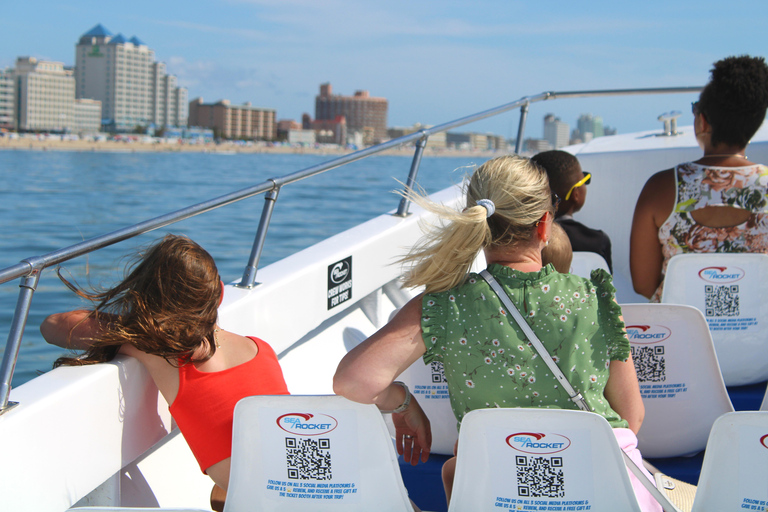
584	262
734	475
680	381
312	453
729	290
516	458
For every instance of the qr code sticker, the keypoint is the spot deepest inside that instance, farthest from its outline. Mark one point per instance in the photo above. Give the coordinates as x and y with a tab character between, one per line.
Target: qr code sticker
308	458
650	365
438	372
540	477
721	300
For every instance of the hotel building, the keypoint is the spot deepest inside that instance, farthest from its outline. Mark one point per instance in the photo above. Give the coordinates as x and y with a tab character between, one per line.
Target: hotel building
133	88
45	93
7	99
234	121
363	113
87	116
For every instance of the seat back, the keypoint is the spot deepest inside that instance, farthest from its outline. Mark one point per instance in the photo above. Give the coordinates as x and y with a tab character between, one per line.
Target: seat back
539	459
734	475
312	453
584	262
728	289
680	381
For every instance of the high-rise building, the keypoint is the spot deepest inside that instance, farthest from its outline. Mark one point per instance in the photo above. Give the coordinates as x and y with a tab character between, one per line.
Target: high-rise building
590	124
45	93
133	88
7	99
556	132
234	121
364	113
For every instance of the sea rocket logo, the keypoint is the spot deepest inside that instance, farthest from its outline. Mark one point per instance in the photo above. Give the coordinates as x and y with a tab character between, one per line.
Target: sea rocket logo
537	443
764	441
339	271
647	334
721	274
305	424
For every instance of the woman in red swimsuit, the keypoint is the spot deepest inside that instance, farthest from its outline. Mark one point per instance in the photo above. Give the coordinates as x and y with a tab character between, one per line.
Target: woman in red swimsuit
164	314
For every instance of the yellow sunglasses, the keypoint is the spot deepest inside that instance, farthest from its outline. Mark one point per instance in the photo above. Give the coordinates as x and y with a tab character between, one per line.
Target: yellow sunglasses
585	181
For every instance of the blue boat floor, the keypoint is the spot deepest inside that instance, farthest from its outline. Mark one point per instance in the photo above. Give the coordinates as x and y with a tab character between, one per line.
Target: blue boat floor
425	485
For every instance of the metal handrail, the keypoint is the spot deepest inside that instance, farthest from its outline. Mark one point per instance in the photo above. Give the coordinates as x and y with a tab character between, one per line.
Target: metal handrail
29	269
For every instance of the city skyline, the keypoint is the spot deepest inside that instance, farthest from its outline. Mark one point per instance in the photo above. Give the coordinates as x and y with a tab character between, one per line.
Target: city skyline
432	62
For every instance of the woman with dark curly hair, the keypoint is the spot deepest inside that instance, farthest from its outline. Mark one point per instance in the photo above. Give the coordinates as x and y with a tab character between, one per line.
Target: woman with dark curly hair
719	202
164	313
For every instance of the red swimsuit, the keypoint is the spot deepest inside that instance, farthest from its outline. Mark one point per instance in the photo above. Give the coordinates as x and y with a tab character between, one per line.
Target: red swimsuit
205	404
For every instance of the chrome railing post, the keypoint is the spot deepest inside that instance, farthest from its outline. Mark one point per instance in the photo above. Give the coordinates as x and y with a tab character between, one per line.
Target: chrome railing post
402	209
249	274
521	128
28	286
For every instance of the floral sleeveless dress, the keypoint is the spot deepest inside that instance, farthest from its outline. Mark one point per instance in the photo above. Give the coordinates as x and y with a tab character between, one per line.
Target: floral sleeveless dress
701	185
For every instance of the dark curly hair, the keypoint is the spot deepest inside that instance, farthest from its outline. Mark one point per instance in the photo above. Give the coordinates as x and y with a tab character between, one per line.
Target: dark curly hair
735	100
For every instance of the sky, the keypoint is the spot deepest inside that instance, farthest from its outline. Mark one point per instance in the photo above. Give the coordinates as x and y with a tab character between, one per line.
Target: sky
434	61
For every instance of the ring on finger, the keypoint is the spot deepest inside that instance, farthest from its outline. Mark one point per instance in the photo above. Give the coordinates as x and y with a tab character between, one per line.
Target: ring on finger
407	436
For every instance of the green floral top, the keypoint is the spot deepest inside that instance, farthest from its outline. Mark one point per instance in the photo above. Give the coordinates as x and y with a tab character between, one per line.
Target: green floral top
699	186
489	362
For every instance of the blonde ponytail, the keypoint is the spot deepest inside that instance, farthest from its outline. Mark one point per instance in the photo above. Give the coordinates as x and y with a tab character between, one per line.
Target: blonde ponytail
520	192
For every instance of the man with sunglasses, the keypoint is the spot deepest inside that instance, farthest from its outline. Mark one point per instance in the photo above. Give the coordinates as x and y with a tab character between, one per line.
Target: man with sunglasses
569	182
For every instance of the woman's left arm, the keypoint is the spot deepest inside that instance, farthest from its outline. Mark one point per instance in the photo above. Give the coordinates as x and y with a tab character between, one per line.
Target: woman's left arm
623	393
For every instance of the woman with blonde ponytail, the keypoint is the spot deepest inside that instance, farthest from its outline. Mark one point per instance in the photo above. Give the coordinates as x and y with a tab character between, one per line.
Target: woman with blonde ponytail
516	191
461	322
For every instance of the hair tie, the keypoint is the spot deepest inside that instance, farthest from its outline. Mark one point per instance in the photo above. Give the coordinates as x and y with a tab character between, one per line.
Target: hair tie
488	205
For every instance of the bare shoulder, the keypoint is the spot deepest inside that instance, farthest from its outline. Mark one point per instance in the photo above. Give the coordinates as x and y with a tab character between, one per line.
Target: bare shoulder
659	181
658	196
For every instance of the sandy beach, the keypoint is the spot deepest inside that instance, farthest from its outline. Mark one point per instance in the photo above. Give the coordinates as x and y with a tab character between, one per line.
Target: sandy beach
30	144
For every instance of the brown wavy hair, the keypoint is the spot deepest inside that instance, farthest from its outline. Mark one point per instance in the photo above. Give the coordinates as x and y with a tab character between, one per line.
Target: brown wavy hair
166	305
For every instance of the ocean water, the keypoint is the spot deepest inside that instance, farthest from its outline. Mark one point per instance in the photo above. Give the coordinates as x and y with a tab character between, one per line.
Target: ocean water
51	200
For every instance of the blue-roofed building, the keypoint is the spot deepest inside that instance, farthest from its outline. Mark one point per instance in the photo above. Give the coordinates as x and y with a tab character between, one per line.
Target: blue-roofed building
134	89
99	31
118	39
